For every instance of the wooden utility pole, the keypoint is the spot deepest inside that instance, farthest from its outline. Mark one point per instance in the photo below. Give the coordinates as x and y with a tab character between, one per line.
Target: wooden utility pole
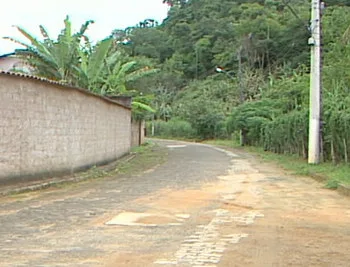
315	83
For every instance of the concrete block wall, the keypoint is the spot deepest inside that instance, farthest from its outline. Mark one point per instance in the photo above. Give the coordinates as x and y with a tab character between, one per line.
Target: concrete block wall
47	128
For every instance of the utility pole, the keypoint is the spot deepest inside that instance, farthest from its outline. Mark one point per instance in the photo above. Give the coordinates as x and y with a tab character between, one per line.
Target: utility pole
315	83
242	133
240	78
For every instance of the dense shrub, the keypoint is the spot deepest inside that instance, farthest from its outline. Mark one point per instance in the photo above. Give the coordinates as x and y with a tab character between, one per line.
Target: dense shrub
172	128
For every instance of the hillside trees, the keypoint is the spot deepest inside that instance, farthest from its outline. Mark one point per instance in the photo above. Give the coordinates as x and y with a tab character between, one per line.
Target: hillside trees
263	44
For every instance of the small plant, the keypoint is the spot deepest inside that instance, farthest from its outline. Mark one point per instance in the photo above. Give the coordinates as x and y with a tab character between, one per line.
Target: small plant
332	184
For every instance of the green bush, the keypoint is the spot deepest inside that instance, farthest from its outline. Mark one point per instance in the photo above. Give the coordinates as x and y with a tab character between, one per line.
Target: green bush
172	128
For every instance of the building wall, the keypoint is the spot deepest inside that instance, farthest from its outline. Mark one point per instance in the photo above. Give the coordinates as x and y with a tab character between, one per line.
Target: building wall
12	62
137	133
46	129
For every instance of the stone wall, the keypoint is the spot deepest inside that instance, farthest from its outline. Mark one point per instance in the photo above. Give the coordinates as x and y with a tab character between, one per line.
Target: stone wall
47	129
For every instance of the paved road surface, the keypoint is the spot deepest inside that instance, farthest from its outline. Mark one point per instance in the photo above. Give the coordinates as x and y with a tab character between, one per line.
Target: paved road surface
203	207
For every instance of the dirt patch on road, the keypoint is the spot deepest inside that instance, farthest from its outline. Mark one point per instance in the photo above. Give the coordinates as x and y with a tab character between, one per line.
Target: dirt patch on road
303	224
156	219
172	201
262	217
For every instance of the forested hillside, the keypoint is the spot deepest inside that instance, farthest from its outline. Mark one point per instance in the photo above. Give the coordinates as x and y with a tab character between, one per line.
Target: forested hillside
262	47
214	68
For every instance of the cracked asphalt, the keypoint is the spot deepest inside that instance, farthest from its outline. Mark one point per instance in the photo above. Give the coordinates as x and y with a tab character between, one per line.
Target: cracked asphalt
203	207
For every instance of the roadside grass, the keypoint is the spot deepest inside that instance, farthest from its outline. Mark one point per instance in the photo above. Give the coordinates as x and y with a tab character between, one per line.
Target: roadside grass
147	156
333	175
165	137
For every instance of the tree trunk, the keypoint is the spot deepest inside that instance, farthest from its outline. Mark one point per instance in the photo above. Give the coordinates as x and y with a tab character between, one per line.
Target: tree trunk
243	137
152	130
345	151
304	150
333	153
140	132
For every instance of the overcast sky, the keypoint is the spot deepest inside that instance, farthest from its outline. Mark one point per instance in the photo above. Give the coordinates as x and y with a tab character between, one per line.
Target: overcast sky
107	14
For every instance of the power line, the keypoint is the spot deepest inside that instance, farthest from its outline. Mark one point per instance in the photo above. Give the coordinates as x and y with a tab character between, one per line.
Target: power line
286	3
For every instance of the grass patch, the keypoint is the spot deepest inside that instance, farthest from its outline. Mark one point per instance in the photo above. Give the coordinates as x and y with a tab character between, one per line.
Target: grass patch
219	142
184	139
146	157
333	174
141	158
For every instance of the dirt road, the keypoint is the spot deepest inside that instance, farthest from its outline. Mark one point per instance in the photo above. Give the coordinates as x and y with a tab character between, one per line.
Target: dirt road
203	207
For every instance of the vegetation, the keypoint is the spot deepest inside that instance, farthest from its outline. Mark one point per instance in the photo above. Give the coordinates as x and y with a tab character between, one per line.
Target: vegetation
331	174
262	47
260	44
174	128
72	59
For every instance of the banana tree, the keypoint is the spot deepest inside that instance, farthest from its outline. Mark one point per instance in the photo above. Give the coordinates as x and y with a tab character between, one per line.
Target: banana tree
119	72
55	59
92	65
71	59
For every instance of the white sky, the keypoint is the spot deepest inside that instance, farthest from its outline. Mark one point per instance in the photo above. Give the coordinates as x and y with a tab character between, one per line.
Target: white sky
107	14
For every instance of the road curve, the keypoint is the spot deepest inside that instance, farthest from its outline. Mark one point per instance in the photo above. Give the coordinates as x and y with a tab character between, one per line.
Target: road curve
203	207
